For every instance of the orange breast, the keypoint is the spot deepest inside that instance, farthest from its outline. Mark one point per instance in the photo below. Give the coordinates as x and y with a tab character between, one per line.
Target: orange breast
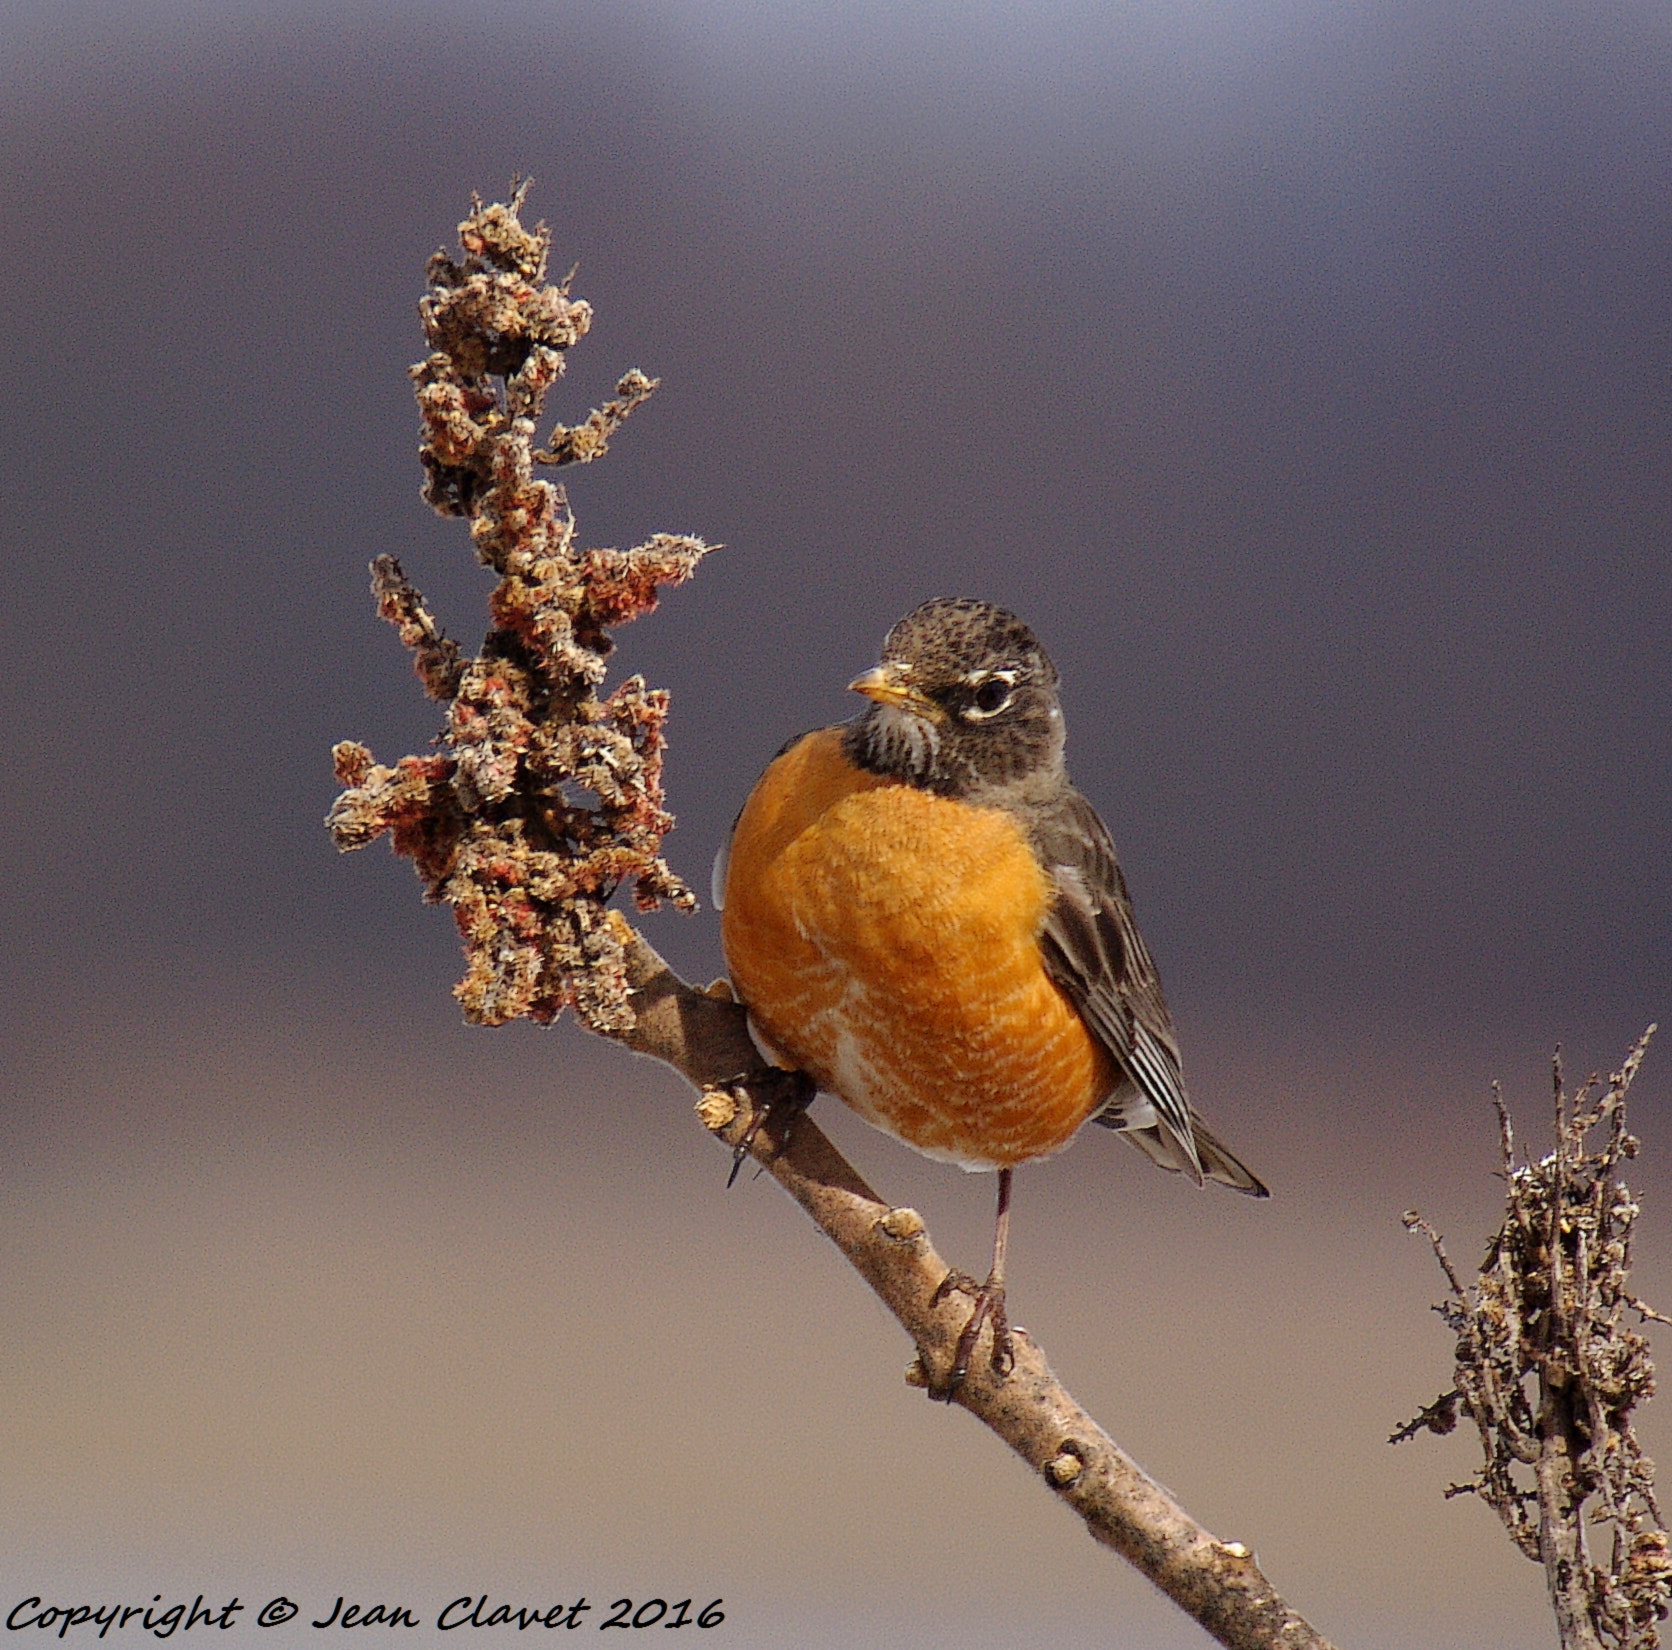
886	941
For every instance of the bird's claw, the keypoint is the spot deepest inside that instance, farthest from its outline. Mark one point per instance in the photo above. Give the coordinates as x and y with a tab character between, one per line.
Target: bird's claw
955	1282
989	1309
787	1095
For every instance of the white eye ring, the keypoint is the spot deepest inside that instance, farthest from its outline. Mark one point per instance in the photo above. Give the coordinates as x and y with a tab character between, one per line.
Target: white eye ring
980	683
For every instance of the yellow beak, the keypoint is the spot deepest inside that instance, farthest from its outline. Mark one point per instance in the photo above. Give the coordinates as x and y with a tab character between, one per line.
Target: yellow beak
883	684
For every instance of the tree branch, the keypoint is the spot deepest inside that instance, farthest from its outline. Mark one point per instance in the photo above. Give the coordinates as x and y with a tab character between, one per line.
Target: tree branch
703	1036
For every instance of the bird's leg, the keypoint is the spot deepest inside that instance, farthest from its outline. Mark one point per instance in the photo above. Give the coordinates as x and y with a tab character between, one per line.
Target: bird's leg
787	1095
989	1306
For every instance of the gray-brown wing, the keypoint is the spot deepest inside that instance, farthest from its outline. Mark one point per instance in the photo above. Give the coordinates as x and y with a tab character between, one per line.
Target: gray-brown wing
1093	950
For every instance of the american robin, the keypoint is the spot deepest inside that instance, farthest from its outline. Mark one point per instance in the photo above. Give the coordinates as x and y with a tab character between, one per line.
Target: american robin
922	914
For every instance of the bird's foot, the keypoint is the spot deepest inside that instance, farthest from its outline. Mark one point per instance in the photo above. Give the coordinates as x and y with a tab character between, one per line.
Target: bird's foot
783	1095
954	1283
989	1309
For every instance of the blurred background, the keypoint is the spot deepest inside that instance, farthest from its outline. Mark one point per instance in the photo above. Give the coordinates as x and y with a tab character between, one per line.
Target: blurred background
1299	370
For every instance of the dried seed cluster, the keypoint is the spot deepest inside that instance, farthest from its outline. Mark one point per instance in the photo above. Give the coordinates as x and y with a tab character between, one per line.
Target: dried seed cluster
541	798
1549	1370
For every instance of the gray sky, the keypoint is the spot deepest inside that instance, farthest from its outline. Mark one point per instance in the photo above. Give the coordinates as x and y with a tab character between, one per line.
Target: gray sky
1302	373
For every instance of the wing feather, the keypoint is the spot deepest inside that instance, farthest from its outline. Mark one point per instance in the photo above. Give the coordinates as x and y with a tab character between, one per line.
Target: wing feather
1094	952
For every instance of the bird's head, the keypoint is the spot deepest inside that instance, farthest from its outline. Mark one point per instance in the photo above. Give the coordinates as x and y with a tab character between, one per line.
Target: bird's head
964	700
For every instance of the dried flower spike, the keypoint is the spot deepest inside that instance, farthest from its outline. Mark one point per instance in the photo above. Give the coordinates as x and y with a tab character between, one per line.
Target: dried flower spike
1550	1371
542	799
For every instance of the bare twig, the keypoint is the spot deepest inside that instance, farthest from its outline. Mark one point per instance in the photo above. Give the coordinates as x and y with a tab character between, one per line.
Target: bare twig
542	800
1550	1372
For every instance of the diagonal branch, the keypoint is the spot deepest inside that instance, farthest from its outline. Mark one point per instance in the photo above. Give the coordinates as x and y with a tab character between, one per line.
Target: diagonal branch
703	1036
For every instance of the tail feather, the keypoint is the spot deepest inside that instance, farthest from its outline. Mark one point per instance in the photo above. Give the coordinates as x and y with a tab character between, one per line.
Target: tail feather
1158	1144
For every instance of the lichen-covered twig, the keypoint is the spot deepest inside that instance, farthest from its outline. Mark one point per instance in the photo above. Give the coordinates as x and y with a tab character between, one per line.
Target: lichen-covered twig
1550	1370
542	800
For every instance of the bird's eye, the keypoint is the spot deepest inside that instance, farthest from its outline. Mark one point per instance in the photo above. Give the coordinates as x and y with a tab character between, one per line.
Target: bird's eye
992	695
